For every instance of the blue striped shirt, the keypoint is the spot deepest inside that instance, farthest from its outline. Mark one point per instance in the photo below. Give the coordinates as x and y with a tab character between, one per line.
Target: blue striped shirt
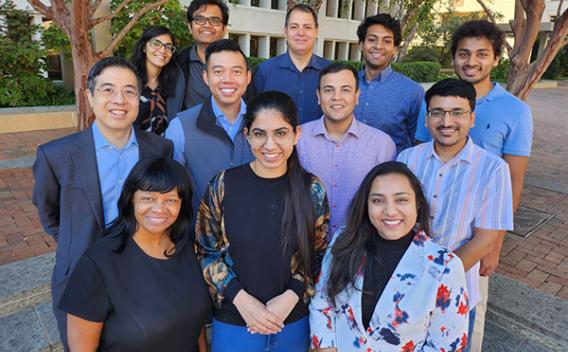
472	190
390	102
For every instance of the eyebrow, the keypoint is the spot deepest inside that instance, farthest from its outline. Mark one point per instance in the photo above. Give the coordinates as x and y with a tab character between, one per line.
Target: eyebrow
232	67
382	195
276	130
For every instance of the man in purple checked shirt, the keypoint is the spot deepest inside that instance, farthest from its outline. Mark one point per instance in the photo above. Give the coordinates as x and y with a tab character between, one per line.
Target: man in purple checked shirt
337	148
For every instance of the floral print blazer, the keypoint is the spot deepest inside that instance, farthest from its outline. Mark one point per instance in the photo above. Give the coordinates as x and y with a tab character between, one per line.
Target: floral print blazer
212	245
424	306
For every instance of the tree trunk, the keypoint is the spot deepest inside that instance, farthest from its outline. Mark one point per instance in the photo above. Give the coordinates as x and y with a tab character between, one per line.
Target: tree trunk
404	48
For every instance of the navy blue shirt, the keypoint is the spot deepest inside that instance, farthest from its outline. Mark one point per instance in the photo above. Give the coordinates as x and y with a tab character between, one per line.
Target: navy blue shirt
390	102
280	74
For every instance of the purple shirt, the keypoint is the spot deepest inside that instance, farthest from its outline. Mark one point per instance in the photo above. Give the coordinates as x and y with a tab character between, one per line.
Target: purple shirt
342	165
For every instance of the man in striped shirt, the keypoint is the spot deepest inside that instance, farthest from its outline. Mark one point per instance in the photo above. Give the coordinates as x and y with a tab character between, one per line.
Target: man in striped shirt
468	188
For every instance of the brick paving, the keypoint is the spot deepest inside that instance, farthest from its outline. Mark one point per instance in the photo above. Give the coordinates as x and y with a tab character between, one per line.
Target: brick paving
539	261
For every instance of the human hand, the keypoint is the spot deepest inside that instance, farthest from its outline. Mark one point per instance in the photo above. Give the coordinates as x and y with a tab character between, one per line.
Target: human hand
283	304
489	263
258	318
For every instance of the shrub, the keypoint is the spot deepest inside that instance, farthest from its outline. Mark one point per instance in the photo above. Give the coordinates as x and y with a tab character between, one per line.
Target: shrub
255	61
501	71
421	53
553	70
420	71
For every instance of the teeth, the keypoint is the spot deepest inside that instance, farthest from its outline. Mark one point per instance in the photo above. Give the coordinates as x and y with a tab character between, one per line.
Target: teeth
228	90
118	112
391	222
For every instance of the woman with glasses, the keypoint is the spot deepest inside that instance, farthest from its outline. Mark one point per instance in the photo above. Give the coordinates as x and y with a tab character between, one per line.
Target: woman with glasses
153	59
260	237
140	287
384	284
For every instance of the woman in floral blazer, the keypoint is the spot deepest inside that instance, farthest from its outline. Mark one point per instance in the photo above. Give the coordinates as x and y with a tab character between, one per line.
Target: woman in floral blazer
384	284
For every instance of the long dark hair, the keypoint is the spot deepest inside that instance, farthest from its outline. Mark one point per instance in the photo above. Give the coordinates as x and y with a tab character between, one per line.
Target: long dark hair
154	175
298	217
167	78
359	234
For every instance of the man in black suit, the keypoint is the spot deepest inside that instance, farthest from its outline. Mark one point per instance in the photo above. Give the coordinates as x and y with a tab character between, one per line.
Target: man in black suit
78	178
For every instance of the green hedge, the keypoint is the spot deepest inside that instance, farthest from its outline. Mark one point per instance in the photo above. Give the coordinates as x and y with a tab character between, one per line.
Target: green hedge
420	71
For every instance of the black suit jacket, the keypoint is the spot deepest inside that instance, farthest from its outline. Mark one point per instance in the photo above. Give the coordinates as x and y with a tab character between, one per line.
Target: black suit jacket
68	197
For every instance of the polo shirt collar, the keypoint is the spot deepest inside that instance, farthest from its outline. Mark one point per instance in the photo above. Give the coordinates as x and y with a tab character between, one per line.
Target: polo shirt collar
495	93
286	62
466	154
319	128
101	142
381	77
219	113
193	54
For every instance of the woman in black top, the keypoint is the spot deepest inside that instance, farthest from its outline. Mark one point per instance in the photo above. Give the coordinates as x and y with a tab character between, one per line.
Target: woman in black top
153	59
261	234
140	287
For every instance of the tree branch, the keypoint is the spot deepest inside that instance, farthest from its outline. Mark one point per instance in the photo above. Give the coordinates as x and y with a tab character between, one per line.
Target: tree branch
40	7
101	19
559	10
491	17
533	11
120	36
94	7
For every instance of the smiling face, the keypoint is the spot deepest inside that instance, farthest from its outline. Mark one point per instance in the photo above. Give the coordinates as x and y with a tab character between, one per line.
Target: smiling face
227	76
337	95
378	47
206	33
474	60
272	141
301	32
392	206
114	113
158	57
156	212
449	133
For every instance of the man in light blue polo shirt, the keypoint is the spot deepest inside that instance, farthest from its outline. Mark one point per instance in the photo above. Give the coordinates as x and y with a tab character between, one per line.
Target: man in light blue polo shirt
295	72
208	137
467	187
389	101
503	124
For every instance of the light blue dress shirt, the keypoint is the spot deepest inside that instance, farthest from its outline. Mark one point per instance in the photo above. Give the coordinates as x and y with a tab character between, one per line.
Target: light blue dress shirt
113	165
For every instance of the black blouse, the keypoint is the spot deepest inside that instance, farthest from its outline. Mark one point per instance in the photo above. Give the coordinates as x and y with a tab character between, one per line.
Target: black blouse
380	264
146	304
152	113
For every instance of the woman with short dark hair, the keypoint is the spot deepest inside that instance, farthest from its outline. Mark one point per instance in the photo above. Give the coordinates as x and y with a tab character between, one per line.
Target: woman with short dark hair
261	234
153	57
385	285
140	286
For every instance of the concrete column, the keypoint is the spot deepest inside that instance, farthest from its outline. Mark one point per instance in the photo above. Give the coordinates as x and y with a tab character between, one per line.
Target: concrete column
332	8
264	47
542	41
101	34
342	51
282	5
244	43
371	8
329	49
280	46
265	4
354	52
244	2
359	12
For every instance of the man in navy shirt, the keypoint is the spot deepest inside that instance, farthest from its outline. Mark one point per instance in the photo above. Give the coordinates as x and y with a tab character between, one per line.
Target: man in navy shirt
389	100
296	72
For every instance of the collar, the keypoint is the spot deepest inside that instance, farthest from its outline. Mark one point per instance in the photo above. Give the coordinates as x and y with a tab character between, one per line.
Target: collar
466	154
193	54
286	62
381	77
495	93
218	113
319	128
101	142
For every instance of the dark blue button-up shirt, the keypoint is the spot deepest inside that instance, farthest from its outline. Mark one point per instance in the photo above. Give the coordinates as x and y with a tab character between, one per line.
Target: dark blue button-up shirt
280	73
390	102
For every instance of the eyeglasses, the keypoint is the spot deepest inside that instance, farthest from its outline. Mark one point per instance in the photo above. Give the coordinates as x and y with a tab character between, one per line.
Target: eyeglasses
157	45
214	21
281	137
110	92
456	114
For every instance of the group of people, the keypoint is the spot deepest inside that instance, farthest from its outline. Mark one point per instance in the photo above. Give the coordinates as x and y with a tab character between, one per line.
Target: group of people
306	206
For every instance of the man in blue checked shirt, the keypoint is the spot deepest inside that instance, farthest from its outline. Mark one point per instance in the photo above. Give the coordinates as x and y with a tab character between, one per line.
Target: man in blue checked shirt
389	101
468	188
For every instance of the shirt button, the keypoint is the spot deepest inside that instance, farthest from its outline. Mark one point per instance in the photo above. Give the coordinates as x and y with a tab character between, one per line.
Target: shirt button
334	186
335	165
301	92
440	175
435	196
431	217
334	206
366	104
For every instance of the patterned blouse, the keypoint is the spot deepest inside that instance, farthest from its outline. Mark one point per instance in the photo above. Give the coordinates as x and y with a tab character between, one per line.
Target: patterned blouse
424	306
212	244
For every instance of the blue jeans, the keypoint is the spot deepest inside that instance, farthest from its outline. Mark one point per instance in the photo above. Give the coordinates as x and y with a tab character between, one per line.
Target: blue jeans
470	329
295	337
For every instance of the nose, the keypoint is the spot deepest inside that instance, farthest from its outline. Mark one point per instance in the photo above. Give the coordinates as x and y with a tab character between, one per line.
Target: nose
118	97
269	141
471	60
389	208
159	206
